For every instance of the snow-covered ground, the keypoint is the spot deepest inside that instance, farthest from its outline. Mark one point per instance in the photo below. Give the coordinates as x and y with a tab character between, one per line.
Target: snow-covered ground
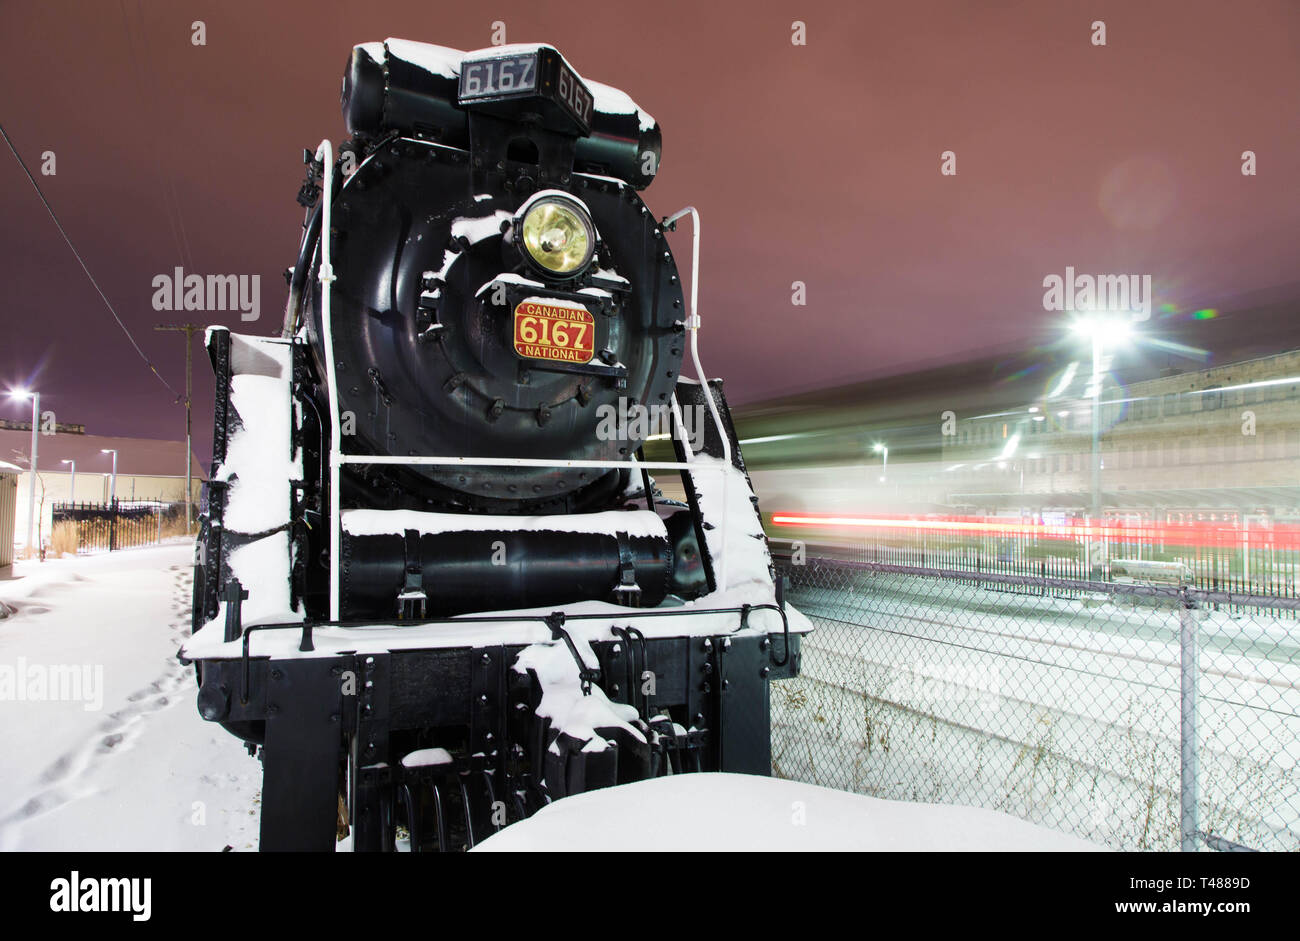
738	812
1058	711
121	760
117	759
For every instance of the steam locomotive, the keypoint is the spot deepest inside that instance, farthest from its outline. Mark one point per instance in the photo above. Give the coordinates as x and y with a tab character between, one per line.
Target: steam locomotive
436	584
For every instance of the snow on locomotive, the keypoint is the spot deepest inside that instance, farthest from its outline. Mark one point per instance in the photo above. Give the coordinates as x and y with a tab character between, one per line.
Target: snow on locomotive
436	587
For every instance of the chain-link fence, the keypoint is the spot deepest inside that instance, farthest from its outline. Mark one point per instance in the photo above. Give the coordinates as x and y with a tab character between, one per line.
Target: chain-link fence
1137	716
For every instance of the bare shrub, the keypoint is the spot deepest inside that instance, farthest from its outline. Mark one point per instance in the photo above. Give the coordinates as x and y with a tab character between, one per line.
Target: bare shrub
64	539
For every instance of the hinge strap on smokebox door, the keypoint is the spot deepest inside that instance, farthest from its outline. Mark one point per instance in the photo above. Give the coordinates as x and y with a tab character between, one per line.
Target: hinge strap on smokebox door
627	592
412	602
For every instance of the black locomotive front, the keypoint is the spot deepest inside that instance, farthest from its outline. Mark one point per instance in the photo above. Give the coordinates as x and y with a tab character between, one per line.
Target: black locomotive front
493	299
490	298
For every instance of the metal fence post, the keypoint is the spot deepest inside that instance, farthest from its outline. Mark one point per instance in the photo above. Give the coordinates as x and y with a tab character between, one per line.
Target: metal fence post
1188	822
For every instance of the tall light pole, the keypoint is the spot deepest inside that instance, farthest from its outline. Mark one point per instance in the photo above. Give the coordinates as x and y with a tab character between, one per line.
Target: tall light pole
1097	349
22	394
884	455
112	487
1102	330
72	481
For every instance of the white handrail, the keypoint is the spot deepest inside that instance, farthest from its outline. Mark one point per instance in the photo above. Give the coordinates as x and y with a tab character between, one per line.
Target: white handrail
325	154
460	460
693	325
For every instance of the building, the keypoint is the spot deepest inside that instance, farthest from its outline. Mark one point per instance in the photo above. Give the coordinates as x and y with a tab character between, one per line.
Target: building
146	470
8	504
1219	444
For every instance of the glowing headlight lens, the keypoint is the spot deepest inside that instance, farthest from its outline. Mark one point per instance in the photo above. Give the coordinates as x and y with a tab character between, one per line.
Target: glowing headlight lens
558	235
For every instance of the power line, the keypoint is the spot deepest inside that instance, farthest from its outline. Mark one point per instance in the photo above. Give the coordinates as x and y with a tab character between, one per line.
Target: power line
50	209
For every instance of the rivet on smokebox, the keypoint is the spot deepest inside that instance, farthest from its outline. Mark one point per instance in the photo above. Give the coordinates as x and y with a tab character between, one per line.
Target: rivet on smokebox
543	415
495	409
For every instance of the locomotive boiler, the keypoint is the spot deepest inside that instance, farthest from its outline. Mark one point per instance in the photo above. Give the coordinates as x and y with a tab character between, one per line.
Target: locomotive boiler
437	583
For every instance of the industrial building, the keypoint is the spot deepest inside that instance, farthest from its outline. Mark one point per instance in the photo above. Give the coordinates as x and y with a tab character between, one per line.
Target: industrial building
147	470
1216	444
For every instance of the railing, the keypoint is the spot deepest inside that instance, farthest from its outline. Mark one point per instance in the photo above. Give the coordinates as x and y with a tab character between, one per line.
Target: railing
1221	557
337	459
97	527
1136	716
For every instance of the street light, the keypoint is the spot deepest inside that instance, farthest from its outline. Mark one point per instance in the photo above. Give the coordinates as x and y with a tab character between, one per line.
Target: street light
72	481
1102	331
884	455
21	395
112	487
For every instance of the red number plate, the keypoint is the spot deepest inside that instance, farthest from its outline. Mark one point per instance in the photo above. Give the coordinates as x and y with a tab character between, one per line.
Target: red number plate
554	332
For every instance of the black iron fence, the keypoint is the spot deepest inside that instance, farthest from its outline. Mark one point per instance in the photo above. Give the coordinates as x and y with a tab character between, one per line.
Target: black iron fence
1215	557
97	527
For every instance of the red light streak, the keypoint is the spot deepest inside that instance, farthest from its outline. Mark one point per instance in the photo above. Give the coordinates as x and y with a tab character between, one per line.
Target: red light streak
1203	533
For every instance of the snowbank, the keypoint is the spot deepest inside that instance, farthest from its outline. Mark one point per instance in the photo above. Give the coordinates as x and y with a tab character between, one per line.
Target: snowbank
711	812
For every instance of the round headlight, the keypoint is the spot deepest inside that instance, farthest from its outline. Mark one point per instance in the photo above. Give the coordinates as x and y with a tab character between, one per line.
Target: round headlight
558	235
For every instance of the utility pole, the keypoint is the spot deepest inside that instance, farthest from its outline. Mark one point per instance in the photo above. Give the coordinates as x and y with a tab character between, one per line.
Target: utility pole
189	329
22	395
31	491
